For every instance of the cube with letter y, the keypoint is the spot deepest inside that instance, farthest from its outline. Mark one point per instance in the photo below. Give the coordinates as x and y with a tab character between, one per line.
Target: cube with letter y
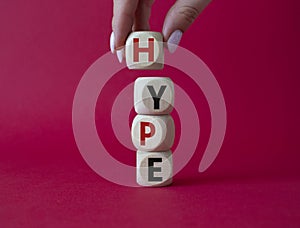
144	50
153	95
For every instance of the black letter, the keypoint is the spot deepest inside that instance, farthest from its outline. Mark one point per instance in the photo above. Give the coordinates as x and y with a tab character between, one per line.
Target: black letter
152	169
156	97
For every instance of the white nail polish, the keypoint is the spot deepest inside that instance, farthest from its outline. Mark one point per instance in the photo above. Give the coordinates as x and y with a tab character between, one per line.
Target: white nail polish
174	41
120	54
112	42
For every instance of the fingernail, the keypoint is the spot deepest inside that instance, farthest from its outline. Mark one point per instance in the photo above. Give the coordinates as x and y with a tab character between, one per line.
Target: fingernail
174	41
120	54
112	42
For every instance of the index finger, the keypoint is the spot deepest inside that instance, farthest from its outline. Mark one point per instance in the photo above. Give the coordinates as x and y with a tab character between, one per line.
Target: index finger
123	19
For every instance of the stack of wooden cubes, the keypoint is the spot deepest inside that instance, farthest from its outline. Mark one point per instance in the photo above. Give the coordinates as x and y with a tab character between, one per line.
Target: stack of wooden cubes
153	128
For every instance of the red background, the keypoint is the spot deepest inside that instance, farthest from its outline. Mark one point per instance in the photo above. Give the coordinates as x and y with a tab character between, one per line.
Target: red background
253	50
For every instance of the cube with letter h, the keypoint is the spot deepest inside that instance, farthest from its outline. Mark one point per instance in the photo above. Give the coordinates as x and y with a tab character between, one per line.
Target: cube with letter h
153	130
144	50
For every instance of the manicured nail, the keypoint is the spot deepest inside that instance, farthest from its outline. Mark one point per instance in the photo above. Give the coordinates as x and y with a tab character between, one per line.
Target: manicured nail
120	54
174	41
112	42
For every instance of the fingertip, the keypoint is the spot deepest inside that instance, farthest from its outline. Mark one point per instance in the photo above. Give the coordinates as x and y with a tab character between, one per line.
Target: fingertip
174	40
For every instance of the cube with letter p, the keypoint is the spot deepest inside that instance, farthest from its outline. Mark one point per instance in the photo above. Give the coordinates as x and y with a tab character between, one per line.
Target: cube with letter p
153	133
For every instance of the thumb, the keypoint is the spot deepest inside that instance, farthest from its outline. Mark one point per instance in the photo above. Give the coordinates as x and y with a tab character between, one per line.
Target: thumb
182	14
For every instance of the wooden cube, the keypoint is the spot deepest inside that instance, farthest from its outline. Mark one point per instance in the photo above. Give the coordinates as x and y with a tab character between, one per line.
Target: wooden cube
144	50
153	133
154	168
153	95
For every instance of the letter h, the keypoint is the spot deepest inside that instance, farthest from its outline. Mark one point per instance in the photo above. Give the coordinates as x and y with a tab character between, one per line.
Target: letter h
137	49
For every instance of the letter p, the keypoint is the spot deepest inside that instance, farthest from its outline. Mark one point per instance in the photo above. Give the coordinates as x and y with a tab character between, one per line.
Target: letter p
143	134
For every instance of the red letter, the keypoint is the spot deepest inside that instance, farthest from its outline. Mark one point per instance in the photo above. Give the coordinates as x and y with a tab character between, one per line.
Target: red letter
137	49
143	133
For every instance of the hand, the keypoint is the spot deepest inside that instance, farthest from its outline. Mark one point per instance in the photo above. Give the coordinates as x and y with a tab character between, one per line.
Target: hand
133	15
